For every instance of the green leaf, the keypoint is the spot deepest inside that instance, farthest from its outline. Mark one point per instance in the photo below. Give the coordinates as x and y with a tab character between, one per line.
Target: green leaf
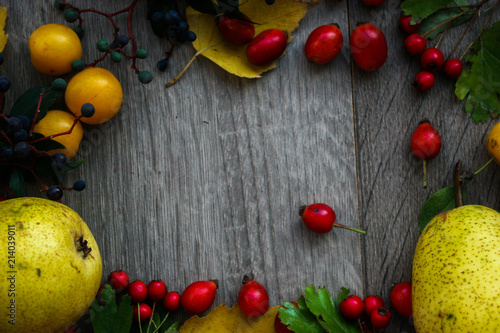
323	307
435	23
16	183
43	167
174	328
480	83
109	318
27	103
422	8
205	6
300	320
441	201
344	292
71	165
47	144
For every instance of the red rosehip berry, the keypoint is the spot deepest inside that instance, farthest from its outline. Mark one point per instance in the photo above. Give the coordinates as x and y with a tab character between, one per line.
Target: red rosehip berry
368	47
415	44
453	68
425	144
279	327
401	299
236	31
352	307
423	81
266	47
138	291
143	310
372	302
406	26
118	280
156	290
253	299
318	217
432	59
172	301
199	296
380	318
323	44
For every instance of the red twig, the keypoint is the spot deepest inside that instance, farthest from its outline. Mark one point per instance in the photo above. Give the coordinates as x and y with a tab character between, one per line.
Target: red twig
77	119
38	110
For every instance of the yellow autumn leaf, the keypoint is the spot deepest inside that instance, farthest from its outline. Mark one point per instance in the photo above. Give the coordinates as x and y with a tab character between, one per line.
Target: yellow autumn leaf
283	14
225	320
3	35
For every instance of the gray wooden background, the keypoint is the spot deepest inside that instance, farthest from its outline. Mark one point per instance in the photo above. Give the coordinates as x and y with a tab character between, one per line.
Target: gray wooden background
203	180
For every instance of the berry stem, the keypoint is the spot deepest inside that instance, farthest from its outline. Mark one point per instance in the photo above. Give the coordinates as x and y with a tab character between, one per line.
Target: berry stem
484	166
337	225
77	119
188	64
463	34
6	137
459	198
442	35
425	172
38	110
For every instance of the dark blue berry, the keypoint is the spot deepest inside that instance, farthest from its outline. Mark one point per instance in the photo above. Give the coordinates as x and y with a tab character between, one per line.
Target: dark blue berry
1	58
182	26
269	2
22	149
79	185
157	17
70	15
6	152
87	110
190	36
79	31
26	122
55	192
59	159
181	37
145	77
162	65
20	135
122	40
172	32
4	84
114	46
15	124
59	84
172	16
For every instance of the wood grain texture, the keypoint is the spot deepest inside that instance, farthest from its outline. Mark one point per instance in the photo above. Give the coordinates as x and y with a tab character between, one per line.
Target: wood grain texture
203	180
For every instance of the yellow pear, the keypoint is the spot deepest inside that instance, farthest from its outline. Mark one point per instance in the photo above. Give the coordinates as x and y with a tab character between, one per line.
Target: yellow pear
51	266
456	272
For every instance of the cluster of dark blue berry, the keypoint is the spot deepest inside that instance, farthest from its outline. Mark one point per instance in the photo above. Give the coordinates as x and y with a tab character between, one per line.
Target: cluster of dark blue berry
25	153
173	26
116	49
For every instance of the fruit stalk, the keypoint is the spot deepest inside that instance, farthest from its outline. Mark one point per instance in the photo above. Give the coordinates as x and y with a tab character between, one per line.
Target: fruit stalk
459	198
336	225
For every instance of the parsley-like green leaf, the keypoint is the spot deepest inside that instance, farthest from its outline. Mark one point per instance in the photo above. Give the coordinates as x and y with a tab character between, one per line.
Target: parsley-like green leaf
422	8
481	82
110	318
301	319
323	307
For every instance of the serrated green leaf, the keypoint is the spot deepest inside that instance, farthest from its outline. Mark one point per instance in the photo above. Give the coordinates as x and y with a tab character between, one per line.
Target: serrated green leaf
123	315
481	82
422	8
435	23
323	307
441	201
16	182
110	318
174	328
344	292
27	103
300	320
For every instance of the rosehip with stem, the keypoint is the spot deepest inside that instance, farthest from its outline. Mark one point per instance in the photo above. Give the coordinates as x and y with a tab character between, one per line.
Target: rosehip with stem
172	301
323	44
406	26
425	144
279	327
156	290
118	280
372	302
253	299
415	44
320	218
453	68
199	296
143	311
380	318
432	59
235	31
352	307
138	291
401	299
423	81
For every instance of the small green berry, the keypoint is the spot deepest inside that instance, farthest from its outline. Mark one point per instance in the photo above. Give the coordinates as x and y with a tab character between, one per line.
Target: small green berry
79	31
87	110
145	77
78	65
58	5
141	53
102	45
116	56
59	85
70	15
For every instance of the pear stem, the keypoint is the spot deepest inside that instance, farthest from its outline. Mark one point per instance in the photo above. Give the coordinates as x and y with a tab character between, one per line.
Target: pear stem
349	228
425	172
459	198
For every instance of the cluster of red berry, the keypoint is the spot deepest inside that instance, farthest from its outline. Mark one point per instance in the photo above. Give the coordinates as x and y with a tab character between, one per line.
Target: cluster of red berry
431	59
